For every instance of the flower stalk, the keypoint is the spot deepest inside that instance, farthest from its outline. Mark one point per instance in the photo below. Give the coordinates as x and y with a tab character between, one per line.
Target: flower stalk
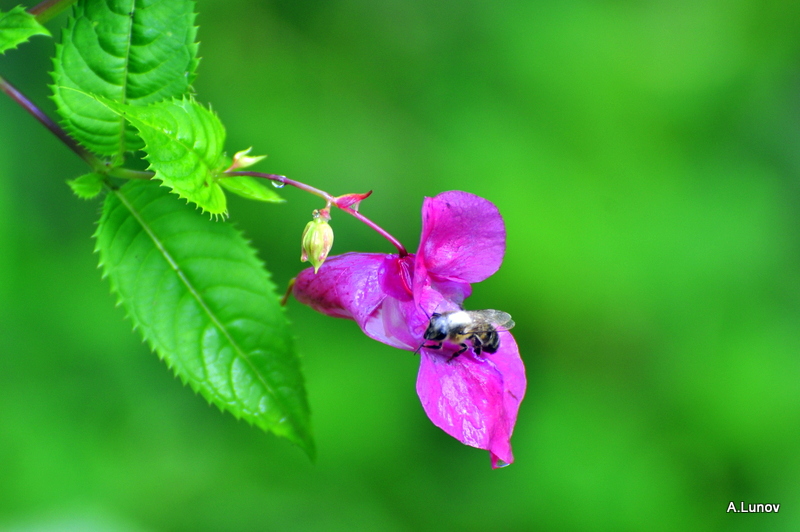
348	203
342	202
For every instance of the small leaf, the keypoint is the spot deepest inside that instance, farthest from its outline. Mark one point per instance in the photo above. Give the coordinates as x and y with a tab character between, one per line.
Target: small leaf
18	26
250	188
130	51
184	142
352	200
242	159
205	304
87	186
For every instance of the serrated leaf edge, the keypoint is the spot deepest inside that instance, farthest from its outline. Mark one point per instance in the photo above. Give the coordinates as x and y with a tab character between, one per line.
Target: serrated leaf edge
41	30
308	446
213	172
184	99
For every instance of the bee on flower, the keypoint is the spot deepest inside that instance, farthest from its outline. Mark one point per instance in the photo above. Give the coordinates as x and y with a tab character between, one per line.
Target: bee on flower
405	299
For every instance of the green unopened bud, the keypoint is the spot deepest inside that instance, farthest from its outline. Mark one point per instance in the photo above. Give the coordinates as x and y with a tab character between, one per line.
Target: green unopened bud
242	159
317	241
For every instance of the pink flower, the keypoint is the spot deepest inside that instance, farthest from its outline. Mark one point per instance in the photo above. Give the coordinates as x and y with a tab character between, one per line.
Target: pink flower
473	398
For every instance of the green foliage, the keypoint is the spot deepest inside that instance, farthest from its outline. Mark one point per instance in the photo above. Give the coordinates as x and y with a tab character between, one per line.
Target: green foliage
129	51
184	143
194	288
645	158
16	27
203	301
87	186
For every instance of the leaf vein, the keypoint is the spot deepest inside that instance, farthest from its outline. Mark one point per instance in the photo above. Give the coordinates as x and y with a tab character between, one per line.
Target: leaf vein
196	296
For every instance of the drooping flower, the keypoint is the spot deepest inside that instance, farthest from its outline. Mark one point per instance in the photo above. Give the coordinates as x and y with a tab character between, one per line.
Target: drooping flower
391	297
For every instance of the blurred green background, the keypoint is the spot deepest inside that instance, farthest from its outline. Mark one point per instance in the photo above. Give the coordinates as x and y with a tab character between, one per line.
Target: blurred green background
645	157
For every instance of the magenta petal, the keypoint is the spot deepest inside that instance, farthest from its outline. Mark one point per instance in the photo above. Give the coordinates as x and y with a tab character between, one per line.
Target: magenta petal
346	286
475	399
463	237
371	289
432	296
509	363
390	324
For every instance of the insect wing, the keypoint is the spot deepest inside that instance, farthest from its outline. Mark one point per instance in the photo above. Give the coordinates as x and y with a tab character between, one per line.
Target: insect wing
486	320
501	320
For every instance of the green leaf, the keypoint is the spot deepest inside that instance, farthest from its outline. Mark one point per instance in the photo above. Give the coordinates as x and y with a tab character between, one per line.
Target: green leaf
133	52
87	186
250	188
18	26
205	304
184	142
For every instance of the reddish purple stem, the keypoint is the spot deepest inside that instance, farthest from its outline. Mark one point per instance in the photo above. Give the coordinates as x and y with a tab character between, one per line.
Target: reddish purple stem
96	163
54	128
332	200
48	9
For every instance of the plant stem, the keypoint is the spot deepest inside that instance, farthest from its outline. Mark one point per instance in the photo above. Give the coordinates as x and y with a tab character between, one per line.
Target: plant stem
331	200
48	9
127	173
54	128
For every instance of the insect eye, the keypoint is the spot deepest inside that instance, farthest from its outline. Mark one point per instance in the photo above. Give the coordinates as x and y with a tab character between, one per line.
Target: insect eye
433	332
439	333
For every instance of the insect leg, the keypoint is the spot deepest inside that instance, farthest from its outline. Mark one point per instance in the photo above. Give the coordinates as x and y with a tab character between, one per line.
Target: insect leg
477	344
464	347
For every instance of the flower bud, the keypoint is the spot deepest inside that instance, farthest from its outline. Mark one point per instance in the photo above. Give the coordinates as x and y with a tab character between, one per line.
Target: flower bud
317	241
242	159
